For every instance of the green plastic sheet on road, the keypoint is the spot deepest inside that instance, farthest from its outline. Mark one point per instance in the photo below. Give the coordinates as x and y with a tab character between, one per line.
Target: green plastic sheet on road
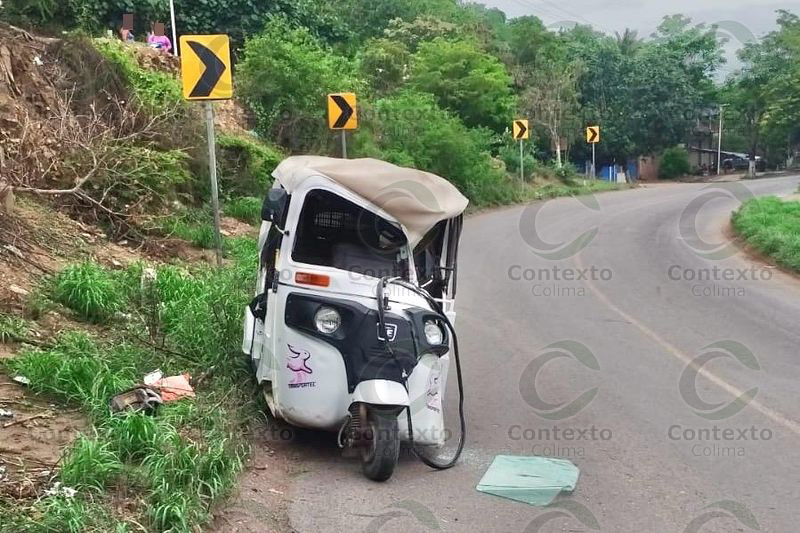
532	480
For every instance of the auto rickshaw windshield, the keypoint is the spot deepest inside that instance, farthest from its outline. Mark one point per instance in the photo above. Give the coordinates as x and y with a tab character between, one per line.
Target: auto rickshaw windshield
335	232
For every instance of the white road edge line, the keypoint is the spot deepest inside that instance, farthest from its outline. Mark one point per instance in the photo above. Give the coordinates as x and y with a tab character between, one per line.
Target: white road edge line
770	413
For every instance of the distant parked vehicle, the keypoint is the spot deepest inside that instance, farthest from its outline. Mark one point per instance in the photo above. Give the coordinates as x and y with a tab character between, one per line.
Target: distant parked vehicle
742	163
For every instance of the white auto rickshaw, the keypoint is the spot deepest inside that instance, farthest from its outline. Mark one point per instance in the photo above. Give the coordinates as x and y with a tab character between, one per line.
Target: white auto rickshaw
351	328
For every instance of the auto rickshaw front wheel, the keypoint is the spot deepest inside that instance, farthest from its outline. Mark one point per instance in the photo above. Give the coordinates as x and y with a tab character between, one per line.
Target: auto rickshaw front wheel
382	450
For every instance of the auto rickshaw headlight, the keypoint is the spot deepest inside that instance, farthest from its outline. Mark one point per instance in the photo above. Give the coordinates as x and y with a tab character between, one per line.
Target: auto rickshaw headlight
433	333
327	320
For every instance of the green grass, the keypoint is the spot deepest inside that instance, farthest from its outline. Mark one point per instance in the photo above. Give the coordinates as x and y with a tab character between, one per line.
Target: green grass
245	208
13	328
771	226
60	514
193	225
90	464
157	91
511	191
185	458
89	290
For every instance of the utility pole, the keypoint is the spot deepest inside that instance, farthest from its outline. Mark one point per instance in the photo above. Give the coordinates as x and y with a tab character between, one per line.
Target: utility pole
719	141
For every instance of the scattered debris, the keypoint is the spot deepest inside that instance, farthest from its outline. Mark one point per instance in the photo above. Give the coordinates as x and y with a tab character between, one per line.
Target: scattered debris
153	377
532	480
18	290
59	490
140	398
175	387
46	414
22	380
156	390
14	250
6	413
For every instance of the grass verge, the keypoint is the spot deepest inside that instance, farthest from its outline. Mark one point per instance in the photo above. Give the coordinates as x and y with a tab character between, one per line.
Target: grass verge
512	192
245	208
192	224
771	226
168	469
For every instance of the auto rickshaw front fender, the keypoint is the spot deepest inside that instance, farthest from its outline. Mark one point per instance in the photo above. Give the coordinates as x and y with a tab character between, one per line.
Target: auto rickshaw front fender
381	392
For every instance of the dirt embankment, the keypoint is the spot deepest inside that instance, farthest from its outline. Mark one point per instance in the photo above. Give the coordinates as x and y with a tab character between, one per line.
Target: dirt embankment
45	86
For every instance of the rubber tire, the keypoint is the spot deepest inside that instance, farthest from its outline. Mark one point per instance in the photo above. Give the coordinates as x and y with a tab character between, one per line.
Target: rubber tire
379	464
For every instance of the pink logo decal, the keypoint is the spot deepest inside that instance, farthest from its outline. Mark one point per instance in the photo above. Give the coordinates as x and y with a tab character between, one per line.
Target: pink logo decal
297	362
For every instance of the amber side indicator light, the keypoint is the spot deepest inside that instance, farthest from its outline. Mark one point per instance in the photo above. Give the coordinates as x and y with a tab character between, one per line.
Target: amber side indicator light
307	278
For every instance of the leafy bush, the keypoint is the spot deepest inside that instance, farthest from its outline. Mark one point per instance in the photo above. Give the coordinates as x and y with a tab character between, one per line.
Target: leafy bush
509	154
772	226
411	129
145	177
89	290
674	163
237	18
36	12
246	208
566	172
466	80
246	164
284	78
156	91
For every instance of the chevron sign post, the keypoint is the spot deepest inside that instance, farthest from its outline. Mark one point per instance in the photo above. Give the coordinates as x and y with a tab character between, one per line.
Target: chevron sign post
342	115
593	137
521	131
206	76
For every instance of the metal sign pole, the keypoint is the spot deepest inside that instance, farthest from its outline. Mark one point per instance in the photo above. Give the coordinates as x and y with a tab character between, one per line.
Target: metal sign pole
344	144
174	31
521	164
594	168
212	169
719	142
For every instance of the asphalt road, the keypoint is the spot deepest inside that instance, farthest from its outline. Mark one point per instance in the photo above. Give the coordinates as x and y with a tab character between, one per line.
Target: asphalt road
642	469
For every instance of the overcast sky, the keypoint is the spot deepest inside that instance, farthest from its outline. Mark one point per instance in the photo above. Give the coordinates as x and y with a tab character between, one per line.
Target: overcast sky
757	16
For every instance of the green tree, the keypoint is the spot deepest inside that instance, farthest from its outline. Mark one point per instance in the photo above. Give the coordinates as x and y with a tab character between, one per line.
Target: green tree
466	80
528	38
419	30
411	129
551	99
369	18
628	42
384	63
645	94
284	77
764	94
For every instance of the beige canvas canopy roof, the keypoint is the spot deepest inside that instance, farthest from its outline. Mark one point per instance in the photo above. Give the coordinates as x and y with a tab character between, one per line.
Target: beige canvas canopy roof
418	200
